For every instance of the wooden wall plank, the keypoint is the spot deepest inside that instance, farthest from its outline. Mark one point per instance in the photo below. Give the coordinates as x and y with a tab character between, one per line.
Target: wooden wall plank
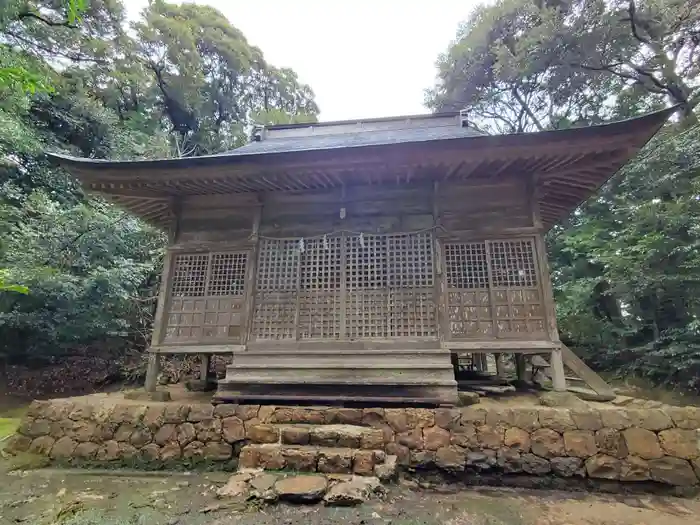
480	205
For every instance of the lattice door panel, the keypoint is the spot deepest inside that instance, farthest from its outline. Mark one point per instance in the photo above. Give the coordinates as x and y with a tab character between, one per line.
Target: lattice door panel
519	312
469	313
412	313
277	289
410	261
513	264
366	262
367	314
389	282
367	306
493	289
206	297
319	289
517	296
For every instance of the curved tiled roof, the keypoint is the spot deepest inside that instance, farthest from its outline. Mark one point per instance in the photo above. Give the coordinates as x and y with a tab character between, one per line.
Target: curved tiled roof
569	165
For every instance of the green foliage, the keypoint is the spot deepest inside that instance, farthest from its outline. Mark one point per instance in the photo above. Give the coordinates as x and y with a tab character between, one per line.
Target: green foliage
523	65
626	265
75	272
72	258
208	79
627	268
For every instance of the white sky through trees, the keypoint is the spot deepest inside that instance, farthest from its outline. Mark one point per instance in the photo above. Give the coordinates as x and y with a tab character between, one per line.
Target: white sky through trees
362	58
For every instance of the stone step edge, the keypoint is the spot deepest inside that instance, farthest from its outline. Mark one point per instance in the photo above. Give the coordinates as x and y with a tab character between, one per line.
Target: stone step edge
319	435
366	381
327	460
341	365
432	352
228	394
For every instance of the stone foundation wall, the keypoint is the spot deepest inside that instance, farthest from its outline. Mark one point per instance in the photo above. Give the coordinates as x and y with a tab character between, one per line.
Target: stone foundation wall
630	445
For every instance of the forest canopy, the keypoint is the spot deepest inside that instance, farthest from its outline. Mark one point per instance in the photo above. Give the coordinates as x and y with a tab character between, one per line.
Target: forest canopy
626	265
77	76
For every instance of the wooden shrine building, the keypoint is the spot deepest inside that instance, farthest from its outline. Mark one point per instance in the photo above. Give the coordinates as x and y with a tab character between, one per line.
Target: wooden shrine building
347	261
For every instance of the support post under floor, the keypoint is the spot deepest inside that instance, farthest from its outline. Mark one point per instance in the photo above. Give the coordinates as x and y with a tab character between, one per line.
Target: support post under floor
204	367
556	363
152	372
500	368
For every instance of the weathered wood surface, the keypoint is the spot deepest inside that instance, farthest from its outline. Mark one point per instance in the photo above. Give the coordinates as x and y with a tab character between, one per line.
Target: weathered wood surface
493	345
582	370
198	348
216	218
486	208
367	209
206	297
556	361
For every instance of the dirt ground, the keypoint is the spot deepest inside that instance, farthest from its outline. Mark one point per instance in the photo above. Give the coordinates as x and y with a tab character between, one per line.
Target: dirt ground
82	497
79	497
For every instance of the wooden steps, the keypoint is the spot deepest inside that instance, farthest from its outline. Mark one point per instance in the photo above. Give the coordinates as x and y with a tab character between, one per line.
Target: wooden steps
383	372
355	357
354	372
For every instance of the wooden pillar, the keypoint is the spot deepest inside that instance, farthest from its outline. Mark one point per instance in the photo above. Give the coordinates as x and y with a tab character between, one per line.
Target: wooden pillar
556	361
440	284
557	367
204	367
500	369
480	363
520	367
250	276
152	371
159	320
161	308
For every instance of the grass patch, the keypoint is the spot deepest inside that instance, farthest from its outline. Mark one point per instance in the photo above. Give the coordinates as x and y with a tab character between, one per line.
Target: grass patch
10	419
8	426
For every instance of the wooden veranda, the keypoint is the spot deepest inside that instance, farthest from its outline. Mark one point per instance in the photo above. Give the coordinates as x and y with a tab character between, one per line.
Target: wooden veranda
346	261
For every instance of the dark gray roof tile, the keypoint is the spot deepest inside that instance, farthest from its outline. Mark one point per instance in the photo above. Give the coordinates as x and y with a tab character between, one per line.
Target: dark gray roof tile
354	139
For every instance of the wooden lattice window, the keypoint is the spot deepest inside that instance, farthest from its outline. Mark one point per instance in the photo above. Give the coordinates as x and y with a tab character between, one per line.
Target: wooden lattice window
277	289
389	284
493	289
278	265
346	286
319	289
190	275
366	262
466	265
206	297
513	264
410	260
227	274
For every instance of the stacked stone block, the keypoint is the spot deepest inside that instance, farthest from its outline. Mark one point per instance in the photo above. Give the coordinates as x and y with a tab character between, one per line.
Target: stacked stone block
629	445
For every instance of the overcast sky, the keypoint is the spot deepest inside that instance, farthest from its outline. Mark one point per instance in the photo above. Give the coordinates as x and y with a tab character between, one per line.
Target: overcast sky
362	58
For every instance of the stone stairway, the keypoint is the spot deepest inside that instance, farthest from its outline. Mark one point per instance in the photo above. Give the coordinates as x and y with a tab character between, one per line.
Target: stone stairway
324	448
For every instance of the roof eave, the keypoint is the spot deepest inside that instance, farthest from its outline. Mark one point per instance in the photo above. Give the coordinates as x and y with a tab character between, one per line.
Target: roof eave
651	121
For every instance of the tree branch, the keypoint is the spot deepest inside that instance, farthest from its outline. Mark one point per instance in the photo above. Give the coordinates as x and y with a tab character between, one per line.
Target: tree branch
632	10
609	68
648	75
54	52
694	101
52	23
527	109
